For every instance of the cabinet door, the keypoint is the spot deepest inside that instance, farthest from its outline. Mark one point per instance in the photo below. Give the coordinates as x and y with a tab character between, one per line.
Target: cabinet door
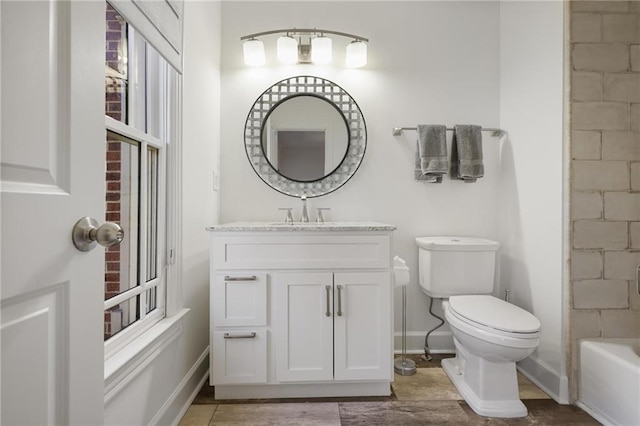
239	356
363	326
303	323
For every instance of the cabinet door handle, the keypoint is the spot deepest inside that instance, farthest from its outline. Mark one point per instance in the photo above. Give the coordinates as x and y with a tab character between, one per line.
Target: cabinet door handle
240	336
328	289
247	278
339	312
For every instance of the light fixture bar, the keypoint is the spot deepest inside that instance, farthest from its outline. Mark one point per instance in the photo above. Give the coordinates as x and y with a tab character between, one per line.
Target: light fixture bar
305	31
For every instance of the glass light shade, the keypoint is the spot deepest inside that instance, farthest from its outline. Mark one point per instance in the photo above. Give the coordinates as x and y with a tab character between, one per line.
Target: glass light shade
356	54
287	50
321	50
253	51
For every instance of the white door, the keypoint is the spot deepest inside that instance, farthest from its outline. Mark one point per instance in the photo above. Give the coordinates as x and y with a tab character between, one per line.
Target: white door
304	325
52	174
362	326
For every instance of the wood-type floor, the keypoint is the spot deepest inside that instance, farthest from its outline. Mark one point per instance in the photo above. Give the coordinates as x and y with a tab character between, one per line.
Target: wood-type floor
426	398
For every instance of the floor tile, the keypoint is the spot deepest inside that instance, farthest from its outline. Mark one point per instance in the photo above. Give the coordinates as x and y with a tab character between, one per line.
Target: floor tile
426	384
405	413
528	390
548	412
422	362
205	395
428	397
541	412
308	414
198	415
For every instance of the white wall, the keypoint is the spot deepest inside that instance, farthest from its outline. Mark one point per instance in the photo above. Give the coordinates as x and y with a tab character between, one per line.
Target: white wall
488	63
531	157
162	390
201	157
429	62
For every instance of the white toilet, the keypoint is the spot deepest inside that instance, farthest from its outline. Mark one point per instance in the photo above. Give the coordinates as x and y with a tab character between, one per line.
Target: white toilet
490	335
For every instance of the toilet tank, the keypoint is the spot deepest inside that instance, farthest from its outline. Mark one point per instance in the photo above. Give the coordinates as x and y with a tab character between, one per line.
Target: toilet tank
456	265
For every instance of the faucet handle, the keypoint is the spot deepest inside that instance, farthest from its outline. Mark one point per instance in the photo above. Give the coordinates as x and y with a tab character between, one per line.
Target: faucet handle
320	216
289	218
304	217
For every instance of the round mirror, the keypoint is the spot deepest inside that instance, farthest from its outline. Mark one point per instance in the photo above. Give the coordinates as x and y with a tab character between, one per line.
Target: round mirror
305	136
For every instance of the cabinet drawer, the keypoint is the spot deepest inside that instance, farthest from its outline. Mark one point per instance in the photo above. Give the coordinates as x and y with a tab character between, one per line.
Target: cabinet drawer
301	251
239	356
239	299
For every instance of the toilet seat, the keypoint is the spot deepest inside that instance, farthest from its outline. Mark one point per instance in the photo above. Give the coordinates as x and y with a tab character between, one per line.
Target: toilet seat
488	334
495	316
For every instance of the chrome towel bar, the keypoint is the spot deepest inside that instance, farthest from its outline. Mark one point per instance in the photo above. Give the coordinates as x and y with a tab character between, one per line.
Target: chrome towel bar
397	131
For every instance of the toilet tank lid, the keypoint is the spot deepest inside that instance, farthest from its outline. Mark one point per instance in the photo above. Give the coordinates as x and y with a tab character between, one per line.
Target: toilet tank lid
495	313
456	244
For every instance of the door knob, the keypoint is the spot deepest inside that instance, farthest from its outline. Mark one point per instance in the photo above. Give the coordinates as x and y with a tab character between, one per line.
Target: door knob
86	234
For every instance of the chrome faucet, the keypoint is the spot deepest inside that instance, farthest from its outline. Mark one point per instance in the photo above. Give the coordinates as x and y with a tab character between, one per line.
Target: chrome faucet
289	218
320	216
304	218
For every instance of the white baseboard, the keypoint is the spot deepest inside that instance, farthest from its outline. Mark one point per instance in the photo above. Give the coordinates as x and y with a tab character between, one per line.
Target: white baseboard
595	414
180	400
440	342
546	378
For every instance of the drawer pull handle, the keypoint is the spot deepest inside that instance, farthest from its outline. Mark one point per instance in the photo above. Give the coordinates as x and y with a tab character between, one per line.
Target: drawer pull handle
339	312
328	289
247	278
240	336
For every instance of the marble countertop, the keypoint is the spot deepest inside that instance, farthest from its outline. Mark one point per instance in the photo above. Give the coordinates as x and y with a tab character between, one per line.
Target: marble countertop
311	226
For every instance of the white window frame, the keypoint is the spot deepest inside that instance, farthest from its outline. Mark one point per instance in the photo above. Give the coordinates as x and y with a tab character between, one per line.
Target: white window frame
166	111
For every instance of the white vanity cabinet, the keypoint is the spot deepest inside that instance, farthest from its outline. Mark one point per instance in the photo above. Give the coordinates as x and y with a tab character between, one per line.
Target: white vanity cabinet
239	341
301	311
332	326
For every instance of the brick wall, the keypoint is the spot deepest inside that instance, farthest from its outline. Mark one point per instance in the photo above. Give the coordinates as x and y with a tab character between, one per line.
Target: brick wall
605	180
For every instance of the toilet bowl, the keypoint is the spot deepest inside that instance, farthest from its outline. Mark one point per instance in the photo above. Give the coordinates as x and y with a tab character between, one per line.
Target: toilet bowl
490	336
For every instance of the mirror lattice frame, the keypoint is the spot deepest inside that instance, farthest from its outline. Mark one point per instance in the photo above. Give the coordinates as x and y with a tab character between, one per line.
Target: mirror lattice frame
314	86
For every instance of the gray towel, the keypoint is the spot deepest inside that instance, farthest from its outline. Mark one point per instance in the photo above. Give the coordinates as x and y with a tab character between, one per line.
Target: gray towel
431	153
466	153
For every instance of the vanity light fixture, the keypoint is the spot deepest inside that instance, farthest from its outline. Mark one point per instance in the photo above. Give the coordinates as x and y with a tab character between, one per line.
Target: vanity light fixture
253	51
287	49
356	54
304	46
321	50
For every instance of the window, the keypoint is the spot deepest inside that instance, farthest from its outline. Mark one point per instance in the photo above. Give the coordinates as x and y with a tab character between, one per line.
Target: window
141	93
